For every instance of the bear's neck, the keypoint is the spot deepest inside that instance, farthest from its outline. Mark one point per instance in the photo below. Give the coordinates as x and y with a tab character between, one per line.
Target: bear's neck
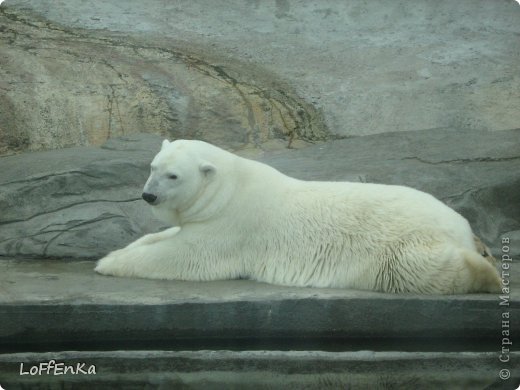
239	183
213	198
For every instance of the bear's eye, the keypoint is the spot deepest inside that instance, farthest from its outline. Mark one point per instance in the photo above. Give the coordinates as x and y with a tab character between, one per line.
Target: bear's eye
172	176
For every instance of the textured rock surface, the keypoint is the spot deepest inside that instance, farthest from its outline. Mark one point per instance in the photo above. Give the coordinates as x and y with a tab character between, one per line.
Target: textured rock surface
245	73
83	202
75	202
86	87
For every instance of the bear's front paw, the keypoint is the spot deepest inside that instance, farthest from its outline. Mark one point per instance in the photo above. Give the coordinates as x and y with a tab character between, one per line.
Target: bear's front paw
113	264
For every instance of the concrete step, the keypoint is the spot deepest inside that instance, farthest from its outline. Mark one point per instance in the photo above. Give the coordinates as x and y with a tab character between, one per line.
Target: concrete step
254	330
65	303
255	370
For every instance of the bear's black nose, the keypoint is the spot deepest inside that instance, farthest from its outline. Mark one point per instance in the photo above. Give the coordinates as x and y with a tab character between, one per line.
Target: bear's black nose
150	198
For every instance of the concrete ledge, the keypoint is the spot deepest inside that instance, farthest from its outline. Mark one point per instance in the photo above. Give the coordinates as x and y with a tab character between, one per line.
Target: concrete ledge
261	369
55	305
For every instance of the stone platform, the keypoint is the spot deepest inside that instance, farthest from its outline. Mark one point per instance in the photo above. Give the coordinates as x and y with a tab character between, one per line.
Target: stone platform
221	334
260	370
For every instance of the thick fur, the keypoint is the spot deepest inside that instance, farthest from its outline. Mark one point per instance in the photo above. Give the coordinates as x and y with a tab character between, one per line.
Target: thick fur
237	218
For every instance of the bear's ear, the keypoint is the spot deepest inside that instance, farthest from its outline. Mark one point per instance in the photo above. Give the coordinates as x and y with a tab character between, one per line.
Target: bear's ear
165	143
207	169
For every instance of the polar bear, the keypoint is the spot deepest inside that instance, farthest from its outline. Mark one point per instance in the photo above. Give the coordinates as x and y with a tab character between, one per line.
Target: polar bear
237	218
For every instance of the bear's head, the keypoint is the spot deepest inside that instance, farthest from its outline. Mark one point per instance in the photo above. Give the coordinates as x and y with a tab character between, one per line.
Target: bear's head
179	178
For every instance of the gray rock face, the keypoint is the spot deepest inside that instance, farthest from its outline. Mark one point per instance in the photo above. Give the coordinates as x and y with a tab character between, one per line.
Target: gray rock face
371	67
83	202
84	87
75	202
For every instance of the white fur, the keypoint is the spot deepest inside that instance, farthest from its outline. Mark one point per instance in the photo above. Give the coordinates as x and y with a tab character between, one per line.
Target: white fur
237	218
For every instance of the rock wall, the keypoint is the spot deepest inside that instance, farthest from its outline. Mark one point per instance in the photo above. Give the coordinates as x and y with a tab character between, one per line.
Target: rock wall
369	67
63	87
255	78
83	202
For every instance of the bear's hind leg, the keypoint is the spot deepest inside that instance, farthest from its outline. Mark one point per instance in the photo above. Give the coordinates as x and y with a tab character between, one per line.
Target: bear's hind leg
462	271
480	274
435	267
